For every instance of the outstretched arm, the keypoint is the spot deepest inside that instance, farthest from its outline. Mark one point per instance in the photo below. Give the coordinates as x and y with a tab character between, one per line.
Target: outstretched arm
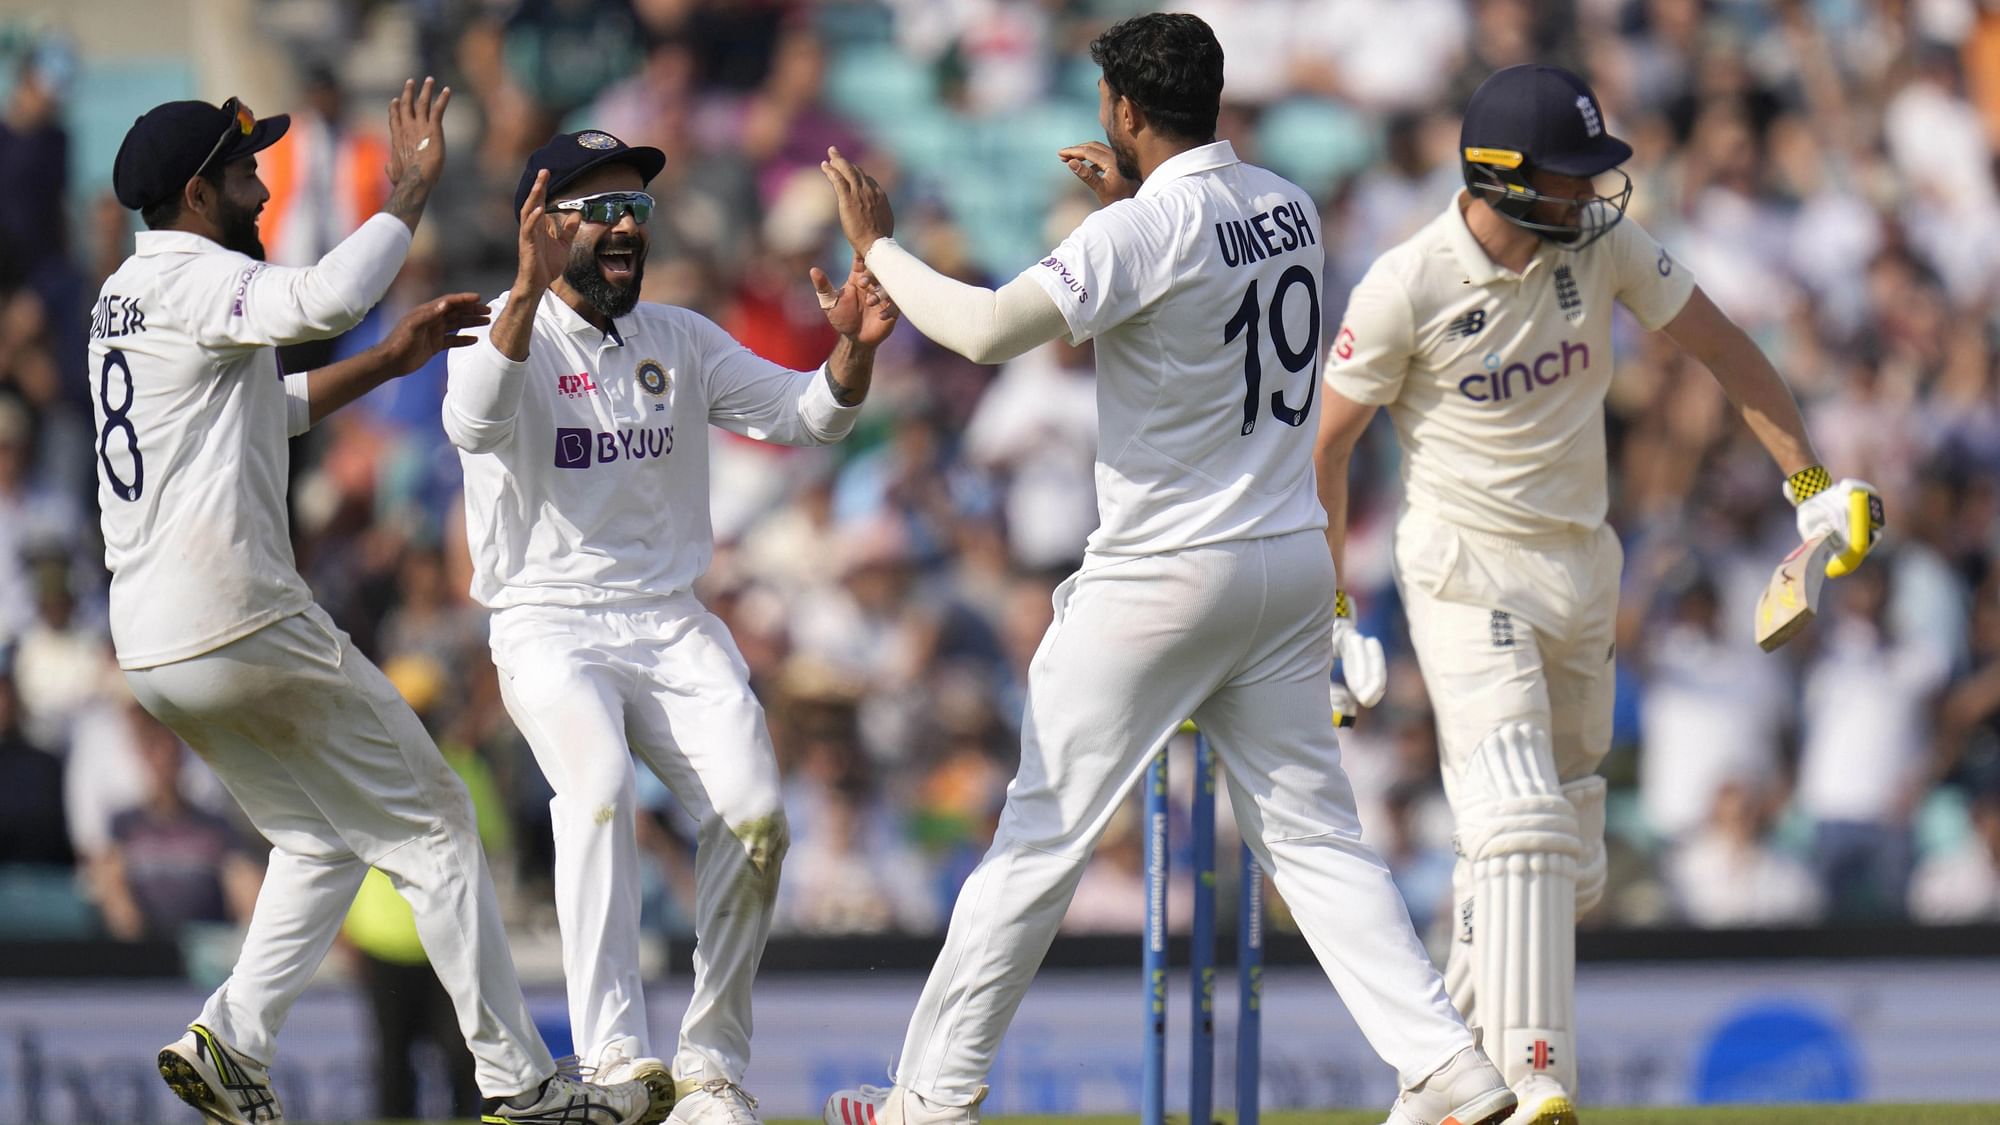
1747	377
1825	506
980	324
422	333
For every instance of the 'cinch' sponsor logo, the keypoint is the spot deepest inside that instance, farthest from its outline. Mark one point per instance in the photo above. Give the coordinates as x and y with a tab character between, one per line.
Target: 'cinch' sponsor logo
1499	382
578	448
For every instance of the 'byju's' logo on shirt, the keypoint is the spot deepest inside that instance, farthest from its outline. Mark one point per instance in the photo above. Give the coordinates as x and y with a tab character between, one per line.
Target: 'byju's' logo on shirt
578	448
1069	279
1501	380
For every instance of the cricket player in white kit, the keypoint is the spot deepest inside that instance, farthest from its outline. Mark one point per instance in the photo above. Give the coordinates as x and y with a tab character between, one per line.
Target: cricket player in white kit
1206	592
582	422
1487	335
219	636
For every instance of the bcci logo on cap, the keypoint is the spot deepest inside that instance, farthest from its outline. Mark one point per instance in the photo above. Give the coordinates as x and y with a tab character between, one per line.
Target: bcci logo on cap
598	141
653	378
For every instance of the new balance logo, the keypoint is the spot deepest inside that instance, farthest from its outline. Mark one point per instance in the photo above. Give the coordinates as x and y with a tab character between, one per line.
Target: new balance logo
1467	326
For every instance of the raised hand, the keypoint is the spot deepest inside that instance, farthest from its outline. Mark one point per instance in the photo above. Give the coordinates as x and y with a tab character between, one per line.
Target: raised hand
416	148
864	207
1096	165
544	250
859	310
416	132
430	328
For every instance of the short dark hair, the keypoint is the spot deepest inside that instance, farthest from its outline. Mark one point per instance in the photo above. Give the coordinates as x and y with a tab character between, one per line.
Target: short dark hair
167	211
1170	66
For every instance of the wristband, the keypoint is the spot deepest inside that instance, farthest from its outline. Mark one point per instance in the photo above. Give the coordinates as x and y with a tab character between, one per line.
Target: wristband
1807	483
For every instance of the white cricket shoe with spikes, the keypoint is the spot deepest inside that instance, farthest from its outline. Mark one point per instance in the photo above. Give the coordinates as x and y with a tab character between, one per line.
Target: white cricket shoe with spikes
225	1084
566	1100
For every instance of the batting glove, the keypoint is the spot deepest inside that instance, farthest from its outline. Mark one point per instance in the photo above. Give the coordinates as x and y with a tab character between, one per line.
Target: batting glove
1826	508
1364	674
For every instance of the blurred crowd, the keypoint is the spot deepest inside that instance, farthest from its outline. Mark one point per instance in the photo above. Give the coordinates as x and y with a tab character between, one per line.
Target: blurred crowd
1826	167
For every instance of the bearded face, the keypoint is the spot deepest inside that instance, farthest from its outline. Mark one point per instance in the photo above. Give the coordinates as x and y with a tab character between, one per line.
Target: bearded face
606	267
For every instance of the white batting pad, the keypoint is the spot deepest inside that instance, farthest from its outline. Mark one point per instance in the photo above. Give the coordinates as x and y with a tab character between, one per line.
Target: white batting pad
1586	796
1524	846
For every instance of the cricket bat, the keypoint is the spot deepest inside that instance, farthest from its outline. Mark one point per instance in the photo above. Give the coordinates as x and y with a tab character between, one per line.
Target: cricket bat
1791	598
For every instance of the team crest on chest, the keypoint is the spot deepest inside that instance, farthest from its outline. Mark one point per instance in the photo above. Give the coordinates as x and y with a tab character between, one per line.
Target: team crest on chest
1567	295
653	378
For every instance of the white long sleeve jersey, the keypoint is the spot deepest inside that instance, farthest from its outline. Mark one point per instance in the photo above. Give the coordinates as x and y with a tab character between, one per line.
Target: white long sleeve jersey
586	465
192	418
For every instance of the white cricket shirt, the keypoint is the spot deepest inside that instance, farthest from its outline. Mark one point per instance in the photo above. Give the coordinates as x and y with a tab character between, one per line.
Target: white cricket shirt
1495	381
586	465
192	419
1202	293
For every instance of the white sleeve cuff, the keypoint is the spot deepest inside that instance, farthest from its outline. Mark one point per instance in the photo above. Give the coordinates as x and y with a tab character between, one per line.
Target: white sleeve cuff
298	404
825	418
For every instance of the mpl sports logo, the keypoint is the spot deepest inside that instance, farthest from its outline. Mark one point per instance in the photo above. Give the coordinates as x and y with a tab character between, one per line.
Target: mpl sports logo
1501	380
575	386
578	448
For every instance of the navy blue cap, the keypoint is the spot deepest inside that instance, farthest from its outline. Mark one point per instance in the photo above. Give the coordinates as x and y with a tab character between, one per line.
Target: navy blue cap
568	156
166	146
1547	115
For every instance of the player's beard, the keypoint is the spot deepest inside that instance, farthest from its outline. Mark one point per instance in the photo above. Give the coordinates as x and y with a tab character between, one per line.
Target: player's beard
1126	156
609	298
238	226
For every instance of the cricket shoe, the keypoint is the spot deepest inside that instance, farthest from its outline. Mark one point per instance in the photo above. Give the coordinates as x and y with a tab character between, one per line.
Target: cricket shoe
886	1105
1468	1090
716	1101
225	1084
564	1100
617	1062
1543	1102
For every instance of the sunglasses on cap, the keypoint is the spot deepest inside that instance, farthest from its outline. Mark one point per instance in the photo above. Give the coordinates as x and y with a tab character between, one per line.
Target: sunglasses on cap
609	206
241	121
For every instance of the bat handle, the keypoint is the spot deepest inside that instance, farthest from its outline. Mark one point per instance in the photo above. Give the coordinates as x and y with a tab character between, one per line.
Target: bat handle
1859	533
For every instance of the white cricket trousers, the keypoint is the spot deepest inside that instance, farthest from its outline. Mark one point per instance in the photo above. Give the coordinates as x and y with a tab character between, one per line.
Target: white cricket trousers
337	772
1237	636
588	686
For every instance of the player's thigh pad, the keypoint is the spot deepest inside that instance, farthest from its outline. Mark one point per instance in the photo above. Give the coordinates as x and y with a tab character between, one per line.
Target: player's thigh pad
1586	797
1521	838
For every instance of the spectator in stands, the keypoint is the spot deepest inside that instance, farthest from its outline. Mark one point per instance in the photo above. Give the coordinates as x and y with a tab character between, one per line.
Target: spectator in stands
1963	884
170	863
1727	874
325	176
32	830
1713	712
1865	761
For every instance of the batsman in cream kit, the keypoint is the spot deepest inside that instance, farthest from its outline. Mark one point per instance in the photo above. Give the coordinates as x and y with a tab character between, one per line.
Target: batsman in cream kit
1487	335
582	417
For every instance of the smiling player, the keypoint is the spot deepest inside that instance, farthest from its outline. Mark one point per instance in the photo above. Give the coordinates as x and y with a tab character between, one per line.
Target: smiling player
582	421
1488	337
